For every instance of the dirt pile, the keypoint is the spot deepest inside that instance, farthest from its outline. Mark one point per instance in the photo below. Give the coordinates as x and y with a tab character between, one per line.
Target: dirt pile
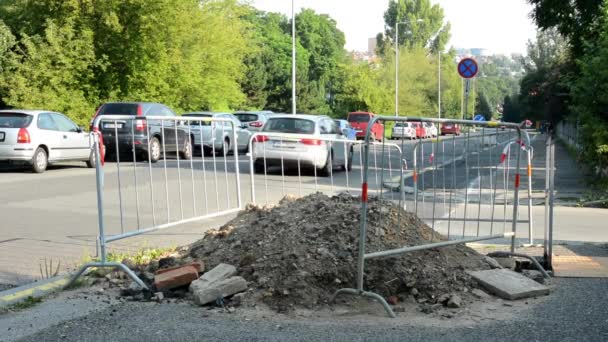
301	251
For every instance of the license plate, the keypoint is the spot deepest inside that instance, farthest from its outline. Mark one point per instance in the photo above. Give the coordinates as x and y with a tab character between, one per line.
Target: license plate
284	145
1	136
112	125
359	131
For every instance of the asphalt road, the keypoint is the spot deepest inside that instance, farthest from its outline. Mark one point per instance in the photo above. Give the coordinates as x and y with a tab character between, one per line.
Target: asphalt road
575	311
54	216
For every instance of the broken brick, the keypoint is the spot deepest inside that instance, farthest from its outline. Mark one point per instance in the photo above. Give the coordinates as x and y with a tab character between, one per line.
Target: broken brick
175	277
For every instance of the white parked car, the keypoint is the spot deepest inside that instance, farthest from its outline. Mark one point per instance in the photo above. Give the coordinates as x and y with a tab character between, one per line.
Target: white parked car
404	130
302	141
431	130
38	138
217	136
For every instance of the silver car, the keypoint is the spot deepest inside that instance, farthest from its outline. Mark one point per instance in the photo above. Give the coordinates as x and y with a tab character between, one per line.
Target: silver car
294	141
217	136
253	121
38	138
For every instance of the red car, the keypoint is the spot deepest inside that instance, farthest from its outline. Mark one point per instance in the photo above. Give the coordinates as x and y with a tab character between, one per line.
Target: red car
359	121
450	128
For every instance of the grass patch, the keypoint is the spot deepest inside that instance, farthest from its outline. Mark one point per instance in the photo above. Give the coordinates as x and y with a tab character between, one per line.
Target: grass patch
26	304
142	256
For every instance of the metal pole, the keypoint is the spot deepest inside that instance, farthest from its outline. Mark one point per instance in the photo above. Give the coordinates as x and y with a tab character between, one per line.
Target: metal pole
551	203
293	59
462	99
439	84
396	68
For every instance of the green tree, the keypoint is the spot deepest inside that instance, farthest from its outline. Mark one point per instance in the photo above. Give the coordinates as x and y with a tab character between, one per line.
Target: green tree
483	107
53	71
510	111
186	53
421	28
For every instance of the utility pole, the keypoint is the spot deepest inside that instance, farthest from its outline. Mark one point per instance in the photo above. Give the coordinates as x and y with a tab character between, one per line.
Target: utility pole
293	59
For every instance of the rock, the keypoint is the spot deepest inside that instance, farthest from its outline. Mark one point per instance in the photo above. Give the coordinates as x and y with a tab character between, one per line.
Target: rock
238	299
492	262
129	263
167	262
508	263
443	298
454	302
508	284
414	292
535	275
153	266
115	282
147	276
176	277
392	300
218	273
158	297
206	292
480	294
133	290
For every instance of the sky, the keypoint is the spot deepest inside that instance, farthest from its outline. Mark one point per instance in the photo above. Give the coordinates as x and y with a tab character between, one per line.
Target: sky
502	26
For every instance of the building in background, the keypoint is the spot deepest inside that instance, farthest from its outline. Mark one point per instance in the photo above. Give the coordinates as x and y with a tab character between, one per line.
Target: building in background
372	43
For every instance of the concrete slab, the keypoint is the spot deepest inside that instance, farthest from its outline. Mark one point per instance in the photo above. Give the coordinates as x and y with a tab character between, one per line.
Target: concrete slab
508	284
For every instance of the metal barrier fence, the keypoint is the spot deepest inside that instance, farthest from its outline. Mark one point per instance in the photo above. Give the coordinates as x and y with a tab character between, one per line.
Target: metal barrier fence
163	184
480	202
302	164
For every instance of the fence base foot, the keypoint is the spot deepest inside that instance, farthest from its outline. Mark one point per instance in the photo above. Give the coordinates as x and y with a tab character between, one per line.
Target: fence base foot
371	295
123	267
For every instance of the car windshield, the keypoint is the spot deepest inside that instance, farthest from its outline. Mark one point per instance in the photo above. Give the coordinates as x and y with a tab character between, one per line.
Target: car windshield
14	120
246	117
289	125
359	117
119	109
402	124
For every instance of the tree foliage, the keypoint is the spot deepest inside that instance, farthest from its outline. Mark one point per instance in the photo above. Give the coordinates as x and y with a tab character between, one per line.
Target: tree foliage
423	25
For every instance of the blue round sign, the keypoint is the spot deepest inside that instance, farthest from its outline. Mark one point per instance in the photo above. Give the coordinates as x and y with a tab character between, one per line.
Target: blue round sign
467	68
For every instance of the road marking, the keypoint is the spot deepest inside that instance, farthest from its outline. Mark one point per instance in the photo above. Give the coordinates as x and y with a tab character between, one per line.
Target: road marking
13	296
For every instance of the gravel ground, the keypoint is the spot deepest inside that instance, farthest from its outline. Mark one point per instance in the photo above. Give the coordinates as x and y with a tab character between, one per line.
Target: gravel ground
576	311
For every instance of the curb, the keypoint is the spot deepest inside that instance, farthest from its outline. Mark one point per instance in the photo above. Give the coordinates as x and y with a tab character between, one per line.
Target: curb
35	290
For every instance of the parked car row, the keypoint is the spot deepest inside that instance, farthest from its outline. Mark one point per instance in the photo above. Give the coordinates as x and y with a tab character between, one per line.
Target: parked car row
415	130
38	138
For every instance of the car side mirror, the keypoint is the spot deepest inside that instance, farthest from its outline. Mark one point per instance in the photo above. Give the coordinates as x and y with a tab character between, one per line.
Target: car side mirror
80	129
345	132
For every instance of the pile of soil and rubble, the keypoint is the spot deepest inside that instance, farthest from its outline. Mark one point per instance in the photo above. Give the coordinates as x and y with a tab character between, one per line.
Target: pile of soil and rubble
301	251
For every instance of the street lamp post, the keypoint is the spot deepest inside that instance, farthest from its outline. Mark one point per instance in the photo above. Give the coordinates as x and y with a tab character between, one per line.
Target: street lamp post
293	59
439	85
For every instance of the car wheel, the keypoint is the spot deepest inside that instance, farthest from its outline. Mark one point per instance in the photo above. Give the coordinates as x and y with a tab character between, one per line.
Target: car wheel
258	167
326	170
225	148
40	160
186	153
92	162
349	166
155	150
